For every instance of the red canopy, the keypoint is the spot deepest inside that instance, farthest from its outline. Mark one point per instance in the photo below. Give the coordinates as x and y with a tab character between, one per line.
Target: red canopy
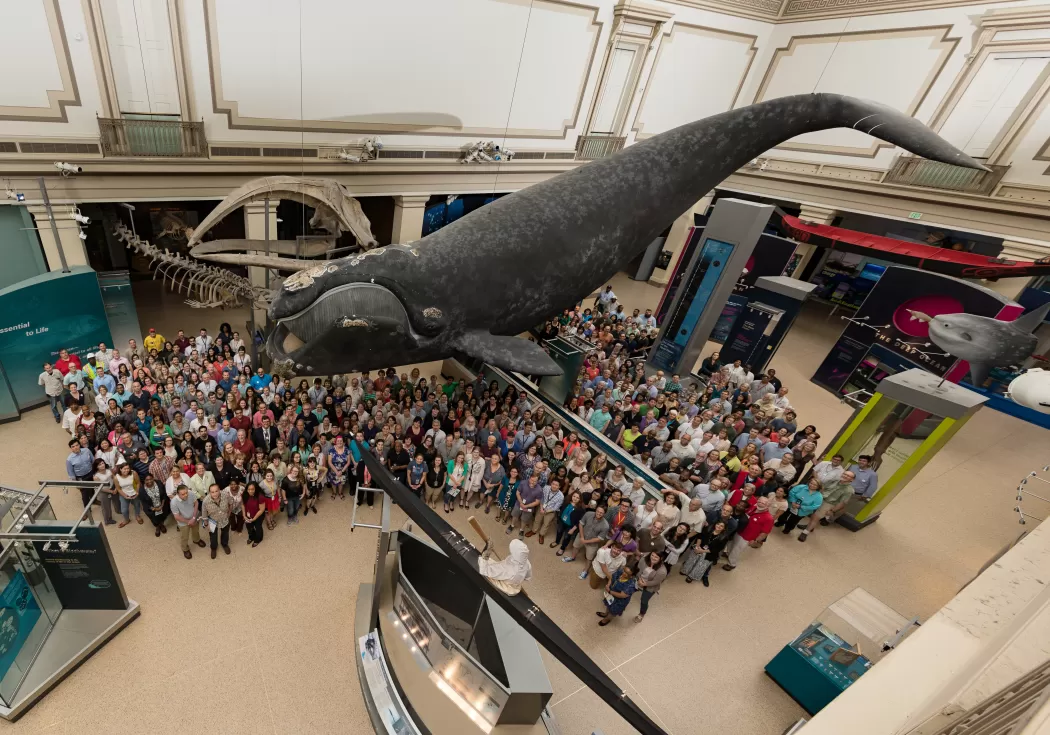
927	257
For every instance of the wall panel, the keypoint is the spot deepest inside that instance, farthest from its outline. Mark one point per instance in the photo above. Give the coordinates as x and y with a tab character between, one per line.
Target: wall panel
402	65
895	66
698	72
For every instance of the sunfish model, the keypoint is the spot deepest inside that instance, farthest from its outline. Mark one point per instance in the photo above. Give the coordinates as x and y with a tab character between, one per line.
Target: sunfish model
982	341
474	285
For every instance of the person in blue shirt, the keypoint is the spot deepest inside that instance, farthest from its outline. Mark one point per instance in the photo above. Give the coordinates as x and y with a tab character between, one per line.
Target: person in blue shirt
260	380
803	501
227	382
600	418
104	379
865	479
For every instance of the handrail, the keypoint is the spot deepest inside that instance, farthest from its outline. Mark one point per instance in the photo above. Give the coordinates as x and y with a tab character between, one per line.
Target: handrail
616	454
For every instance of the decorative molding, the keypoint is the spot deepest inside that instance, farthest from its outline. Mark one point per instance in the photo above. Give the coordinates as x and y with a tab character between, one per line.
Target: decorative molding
792	11
229	108
637	126
795	10
767	10
947	46
96	27
986	44
58	99
182	67
648	22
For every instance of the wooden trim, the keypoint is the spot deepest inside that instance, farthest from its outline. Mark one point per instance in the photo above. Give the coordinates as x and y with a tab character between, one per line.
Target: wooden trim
229	108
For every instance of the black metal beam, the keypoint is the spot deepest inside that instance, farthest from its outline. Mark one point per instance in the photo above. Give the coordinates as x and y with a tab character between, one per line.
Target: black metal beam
524	611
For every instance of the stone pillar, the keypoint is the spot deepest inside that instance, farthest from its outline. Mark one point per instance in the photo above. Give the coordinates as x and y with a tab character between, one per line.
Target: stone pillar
676	238
817	215
1011	288
68	236
255	229
408	218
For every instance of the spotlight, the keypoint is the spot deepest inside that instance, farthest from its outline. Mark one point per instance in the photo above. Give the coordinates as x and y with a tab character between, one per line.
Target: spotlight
15	195
80	218
68	168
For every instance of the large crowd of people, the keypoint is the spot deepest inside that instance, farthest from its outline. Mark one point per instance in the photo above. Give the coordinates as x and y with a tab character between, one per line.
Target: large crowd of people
190	428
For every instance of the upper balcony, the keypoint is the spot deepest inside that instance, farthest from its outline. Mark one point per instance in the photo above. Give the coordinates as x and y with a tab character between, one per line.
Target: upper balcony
151	137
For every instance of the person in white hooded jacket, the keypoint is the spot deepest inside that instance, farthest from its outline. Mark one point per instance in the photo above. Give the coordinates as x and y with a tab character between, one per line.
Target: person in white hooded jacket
509	574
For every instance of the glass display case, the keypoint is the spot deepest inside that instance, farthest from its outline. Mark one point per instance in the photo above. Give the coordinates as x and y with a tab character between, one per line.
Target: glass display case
849	637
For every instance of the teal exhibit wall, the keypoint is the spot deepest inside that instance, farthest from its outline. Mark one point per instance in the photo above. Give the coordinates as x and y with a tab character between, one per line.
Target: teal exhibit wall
23	256
41	315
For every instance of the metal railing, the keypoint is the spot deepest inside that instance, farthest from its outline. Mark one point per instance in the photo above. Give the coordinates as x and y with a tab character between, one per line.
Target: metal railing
1007	711
591	147
914	171
152	138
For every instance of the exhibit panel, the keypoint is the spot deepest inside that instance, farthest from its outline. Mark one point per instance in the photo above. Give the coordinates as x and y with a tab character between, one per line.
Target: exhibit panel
908	419
885	335
443	658
848	637
61	595
43	315
710	278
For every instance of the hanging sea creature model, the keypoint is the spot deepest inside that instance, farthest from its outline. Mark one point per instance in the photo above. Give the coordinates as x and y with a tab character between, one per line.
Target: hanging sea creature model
985	342
1032	389
474	285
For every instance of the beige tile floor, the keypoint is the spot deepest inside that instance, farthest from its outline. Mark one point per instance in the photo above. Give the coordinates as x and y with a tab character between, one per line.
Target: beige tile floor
270	630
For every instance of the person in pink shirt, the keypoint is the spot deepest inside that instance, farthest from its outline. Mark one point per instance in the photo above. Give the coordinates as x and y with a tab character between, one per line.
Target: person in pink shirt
116	361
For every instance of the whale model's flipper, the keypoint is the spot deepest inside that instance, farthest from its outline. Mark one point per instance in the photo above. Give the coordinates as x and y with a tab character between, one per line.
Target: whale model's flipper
512	353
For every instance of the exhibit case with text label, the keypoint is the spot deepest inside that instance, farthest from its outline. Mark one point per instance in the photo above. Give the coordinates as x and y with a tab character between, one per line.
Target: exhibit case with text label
850	636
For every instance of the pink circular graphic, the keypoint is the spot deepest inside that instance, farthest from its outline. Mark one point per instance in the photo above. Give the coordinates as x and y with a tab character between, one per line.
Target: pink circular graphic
929	305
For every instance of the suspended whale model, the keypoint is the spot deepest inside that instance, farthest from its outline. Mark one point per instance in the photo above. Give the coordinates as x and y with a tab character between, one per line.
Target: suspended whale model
984	342
475	284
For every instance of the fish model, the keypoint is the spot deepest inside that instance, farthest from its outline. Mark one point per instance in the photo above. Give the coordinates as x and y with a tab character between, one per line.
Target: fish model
982	341
476	284
1032	389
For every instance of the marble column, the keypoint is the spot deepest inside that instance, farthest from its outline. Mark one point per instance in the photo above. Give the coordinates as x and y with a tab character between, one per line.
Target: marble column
676	238
68	236
408	218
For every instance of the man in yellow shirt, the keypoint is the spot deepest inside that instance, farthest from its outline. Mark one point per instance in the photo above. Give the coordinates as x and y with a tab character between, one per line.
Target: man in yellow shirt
153	341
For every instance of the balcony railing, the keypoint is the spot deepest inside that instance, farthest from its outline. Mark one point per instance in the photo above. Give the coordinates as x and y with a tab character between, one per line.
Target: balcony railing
913	171
152	138
590	147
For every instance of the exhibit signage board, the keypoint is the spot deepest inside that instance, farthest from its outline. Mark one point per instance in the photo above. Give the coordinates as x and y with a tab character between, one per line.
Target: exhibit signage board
42	315
749	334
885	319
83	574
19	613
686	316
734	307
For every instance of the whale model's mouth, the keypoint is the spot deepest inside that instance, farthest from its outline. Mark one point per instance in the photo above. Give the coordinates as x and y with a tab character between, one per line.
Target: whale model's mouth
344	318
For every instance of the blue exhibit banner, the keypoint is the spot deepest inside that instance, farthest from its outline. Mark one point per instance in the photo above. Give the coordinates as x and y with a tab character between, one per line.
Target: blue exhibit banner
43	315
18	615
695	299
